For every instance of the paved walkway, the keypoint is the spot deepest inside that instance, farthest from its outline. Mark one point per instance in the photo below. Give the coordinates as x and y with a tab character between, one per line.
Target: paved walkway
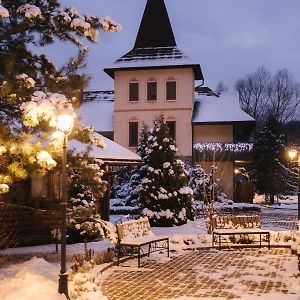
203	274
279	219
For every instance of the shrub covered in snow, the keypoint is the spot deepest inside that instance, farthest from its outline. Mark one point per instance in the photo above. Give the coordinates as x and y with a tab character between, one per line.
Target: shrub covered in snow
121	187
205	186
127	186
164	195
84	222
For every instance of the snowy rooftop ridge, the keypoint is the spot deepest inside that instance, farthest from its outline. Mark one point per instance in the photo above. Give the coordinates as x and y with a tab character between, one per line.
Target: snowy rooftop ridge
152	53
226	108
154	57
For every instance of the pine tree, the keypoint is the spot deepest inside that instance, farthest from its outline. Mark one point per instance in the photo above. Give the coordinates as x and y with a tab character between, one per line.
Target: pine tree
138	172
86	188
82	214
267	171
30	78
127	185
164	195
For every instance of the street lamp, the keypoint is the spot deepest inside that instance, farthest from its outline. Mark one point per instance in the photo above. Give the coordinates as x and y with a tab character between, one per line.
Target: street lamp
65	122
293	156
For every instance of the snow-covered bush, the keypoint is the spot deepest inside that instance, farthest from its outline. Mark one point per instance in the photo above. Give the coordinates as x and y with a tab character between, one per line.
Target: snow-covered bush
127	186
83	284
121	187
205	186
165	198
84	222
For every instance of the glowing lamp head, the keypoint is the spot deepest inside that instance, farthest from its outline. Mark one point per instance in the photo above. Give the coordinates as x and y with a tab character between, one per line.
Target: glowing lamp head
65	121
292	154
236	171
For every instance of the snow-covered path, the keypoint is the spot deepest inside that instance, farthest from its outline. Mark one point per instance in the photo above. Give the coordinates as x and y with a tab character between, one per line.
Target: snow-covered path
207	274
194	274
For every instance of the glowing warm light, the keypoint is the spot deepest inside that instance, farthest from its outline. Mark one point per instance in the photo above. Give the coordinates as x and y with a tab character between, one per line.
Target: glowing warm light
236	171
292	154
56	135
65	121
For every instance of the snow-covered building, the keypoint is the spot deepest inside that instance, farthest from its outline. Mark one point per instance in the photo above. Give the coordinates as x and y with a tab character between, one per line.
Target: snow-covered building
156	77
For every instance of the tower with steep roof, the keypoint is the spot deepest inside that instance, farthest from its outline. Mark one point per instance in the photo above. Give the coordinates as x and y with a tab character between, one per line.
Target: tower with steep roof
155	77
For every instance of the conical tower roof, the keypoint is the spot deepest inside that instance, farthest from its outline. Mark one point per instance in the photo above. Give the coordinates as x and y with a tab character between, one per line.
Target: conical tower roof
155	28
155	46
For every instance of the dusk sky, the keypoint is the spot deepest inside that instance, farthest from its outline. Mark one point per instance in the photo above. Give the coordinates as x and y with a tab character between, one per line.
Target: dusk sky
229	38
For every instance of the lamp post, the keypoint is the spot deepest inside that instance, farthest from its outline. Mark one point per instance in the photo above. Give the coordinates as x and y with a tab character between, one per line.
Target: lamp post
293	156
65	121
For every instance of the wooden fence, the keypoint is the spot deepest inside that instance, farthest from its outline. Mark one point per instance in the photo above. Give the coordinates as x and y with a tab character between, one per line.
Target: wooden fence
26	225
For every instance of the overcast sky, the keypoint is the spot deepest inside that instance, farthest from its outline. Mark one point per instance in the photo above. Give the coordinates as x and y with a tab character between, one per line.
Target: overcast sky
229	38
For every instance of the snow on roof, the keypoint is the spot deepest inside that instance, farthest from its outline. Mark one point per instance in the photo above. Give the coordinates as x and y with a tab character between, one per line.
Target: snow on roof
225	108
111	152
98	96
97	110
159	57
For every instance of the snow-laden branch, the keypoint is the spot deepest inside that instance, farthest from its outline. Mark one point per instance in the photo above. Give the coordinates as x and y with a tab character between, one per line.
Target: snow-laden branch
86	25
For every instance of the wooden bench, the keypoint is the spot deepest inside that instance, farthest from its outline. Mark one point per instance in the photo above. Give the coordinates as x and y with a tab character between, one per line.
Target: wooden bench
135	238
238	226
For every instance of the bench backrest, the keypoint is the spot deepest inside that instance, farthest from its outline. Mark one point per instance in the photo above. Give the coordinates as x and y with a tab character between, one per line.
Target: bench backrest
235	222
134	228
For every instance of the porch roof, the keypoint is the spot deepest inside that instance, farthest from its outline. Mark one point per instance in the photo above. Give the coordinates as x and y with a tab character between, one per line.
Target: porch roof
112	153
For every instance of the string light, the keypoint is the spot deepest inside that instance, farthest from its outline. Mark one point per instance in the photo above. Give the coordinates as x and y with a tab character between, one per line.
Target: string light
219	147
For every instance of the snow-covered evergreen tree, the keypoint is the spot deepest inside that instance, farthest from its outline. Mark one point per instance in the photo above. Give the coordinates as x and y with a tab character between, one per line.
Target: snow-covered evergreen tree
121	188
86	188
127	185
267	170
32	87
164	194
138	172
82	214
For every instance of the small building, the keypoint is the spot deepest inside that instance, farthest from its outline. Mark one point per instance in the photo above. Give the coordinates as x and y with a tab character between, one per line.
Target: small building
156	77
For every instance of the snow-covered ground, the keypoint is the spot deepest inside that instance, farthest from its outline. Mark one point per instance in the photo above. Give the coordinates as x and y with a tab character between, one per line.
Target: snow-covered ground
288	202
36	279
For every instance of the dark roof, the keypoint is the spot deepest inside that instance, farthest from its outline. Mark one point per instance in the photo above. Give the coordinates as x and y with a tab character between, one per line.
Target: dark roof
155	45
154	58
98	96
205	90
155	28
152	53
